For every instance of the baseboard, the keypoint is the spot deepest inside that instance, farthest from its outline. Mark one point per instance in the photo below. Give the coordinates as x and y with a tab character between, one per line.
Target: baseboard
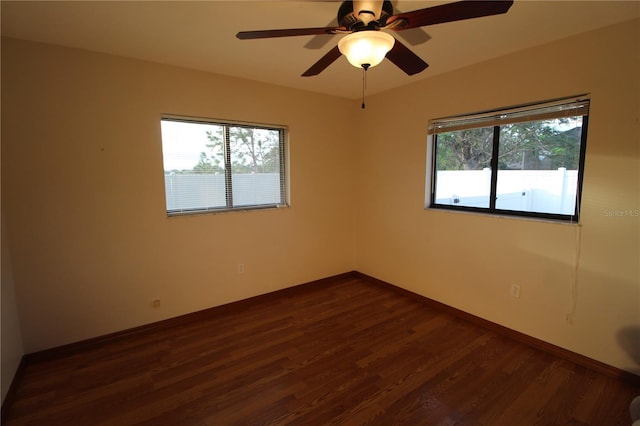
552	349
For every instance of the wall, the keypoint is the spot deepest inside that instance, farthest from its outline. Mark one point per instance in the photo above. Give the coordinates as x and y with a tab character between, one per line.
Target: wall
11	349
83	193
470	261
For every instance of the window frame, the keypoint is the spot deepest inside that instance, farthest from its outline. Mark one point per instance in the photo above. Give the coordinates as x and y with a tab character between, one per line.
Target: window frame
283	144
545	110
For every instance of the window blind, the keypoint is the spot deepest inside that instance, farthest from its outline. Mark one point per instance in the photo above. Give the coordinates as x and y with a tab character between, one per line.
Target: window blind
558	108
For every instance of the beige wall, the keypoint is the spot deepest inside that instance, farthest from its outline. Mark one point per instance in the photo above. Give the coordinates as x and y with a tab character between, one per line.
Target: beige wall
91	245
83	193
11	348
470	261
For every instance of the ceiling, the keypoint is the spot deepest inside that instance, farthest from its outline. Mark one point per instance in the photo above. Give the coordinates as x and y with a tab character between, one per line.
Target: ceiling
201	35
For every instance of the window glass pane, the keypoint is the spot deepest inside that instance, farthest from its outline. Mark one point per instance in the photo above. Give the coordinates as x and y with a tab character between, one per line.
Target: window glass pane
538	166
193	165
255	164
463	167
524	160
222	166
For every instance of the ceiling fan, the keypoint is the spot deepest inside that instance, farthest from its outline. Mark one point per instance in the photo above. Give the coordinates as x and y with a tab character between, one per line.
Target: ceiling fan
365	45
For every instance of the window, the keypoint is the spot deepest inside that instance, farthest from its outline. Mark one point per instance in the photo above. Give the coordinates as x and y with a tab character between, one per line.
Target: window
522	161
217	166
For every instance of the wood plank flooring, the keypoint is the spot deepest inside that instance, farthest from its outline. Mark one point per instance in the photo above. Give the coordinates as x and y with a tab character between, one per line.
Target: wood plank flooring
342	351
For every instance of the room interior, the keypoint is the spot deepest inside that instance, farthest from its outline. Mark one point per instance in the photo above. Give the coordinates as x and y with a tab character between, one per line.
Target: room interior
87	244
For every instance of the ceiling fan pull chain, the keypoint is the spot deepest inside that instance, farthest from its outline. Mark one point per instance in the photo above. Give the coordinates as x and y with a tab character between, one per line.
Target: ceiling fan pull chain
365	67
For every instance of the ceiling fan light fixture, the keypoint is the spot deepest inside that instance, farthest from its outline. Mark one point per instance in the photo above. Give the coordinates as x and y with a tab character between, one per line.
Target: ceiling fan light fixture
366	47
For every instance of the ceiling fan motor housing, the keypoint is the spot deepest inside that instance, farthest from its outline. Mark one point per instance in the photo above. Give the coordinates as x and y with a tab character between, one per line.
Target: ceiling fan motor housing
367	15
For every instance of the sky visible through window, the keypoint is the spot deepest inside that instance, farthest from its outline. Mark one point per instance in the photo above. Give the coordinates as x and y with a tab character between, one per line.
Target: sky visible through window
566	124
183	142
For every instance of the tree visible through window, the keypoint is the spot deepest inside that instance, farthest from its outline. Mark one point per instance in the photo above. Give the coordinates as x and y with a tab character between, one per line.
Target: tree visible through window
222	166
524	161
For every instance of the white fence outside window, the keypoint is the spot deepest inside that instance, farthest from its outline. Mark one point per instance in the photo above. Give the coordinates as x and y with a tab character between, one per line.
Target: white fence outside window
201	191
545	191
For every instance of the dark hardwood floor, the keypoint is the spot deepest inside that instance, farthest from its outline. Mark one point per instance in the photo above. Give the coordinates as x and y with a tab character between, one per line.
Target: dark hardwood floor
345	351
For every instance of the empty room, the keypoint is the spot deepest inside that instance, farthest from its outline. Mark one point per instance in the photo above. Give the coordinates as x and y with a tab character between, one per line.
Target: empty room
320	212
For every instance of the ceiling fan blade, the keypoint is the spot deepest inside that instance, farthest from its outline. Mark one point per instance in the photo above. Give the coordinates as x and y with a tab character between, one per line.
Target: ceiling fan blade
465	9
323	63
319	41
248	35
405	59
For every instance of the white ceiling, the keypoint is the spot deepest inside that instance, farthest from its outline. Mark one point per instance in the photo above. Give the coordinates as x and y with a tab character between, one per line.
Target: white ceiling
201	35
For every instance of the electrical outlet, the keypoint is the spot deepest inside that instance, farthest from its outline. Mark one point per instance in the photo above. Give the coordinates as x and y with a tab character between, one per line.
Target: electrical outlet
155	303
515	291
241	268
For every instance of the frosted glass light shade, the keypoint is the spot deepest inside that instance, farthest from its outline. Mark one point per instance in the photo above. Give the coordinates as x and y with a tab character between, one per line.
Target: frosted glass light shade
366	47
